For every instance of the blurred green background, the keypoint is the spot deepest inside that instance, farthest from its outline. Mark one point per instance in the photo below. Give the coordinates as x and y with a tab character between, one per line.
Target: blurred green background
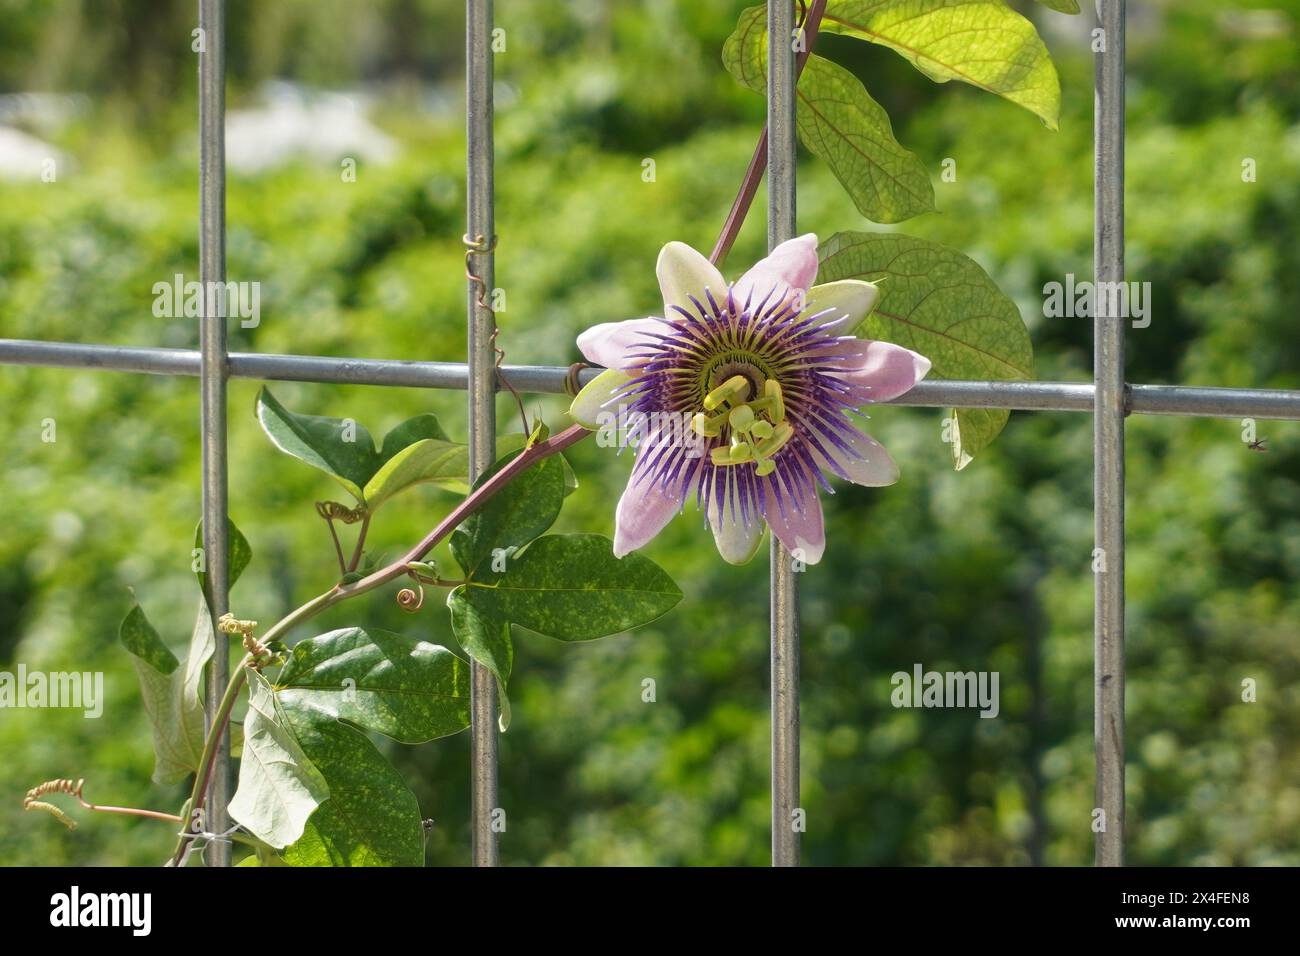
988	569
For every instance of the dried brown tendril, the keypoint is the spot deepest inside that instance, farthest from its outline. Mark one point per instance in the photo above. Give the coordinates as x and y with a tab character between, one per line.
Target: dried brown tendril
33	799
411	599
333	510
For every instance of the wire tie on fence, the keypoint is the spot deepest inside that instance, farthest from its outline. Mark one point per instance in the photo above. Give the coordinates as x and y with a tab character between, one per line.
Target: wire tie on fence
501	357
478	246
571	384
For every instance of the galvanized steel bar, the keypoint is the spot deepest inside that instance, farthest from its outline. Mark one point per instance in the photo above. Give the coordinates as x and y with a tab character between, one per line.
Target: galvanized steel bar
212	387
1108	442
1174	400
785	594
482	393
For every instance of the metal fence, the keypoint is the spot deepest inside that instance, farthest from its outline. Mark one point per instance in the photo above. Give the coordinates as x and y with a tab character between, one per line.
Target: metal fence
1110	399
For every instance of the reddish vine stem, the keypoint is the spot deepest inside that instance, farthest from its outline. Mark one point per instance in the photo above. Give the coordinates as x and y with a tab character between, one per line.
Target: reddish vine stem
810	25
361	541
473	501
758	162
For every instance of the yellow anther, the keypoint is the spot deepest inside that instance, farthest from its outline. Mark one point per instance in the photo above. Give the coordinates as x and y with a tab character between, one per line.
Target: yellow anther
741	452
765	467
761	429
721	456
705	426
741	417
772	390
780	435
735	387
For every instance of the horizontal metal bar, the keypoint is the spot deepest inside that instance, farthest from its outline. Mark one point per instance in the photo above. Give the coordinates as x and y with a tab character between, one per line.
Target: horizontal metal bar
1185	400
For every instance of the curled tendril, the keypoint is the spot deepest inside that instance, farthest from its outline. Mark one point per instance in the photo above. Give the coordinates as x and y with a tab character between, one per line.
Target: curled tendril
334	510
480	245
229	624
501	357
411	599
33	799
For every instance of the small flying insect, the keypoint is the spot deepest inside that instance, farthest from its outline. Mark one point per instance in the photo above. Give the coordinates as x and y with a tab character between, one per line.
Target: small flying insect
1259	444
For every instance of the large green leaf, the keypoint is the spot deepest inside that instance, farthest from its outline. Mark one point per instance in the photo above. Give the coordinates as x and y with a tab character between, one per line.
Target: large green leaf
486	638
171	693
940	303
407	689
336	446
981	42
418	428
417	450
840	123
571	587
1062	6
430	459
395	685
517	514
279	785
239	553
371	817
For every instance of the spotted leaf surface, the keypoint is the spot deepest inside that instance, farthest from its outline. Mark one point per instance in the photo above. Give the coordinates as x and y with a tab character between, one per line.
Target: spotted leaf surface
571	587
371	817
389	683
521	511
486	638
940	303
841	124
981	42
171	692
279	785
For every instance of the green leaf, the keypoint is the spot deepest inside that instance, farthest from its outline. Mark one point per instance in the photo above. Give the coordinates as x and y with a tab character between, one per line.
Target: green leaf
486	638
419	428
339	447
279	785
395	685
981	42
171	694
416	451
371	817
571	587
938	302
431	459
521	511
238	553
140	638
840	123
377	681
452	474
1062	6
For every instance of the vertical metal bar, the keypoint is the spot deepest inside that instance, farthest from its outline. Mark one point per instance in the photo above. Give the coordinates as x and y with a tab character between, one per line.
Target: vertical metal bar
1108	439
213	372
785	595
482	393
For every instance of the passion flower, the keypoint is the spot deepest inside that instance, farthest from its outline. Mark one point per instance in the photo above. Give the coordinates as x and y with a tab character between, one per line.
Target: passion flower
739	397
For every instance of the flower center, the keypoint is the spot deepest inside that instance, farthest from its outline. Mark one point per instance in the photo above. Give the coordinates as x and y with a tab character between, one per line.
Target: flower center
747	411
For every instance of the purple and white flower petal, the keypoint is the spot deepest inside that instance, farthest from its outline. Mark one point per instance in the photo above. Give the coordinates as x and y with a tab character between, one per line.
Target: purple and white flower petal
741	397
845	301
789	268
620	345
